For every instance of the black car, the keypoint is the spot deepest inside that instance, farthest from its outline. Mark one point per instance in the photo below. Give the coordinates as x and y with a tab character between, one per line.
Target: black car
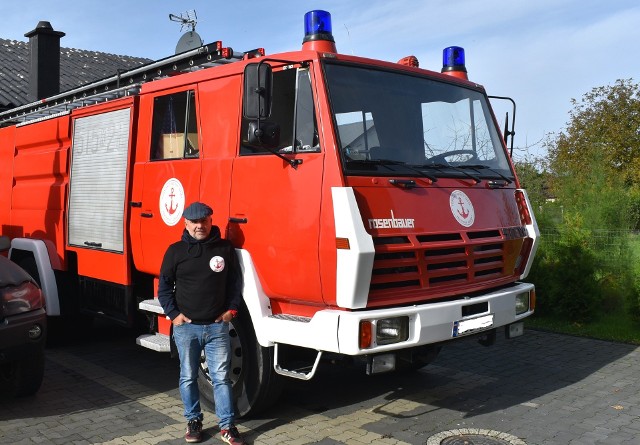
23	325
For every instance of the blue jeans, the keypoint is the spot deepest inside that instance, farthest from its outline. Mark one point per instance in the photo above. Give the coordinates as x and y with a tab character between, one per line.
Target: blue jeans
191	340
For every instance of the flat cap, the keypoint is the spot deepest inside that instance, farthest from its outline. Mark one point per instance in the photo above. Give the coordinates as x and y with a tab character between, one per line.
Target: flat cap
197	210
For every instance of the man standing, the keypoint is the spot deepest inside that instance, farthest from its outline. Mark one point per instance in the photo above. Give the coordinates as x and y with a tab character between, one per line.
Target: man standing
200	291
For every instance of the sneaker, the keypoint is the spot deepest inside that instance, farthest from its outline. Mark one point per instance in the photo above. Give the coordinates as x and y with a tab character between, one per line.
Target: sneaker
194	431
231	436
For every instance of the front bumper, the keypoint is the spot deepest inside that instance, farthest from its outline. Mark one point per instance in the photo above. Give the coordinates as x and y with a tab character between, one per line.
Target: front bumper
337	331
434	322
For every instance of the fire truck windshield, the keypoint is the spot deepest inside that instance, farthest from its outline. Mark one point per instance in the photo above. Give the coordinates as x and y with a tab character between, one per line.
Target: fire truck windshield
391	123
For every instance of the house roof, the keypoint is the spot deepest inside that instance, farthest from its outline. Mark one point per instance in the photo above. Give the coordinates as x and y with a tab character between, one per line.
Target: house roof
77	67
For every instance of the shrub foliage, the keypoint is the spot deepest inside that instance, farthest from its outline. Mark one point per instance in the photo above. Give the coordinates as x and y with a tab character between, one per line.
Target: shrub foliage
587	263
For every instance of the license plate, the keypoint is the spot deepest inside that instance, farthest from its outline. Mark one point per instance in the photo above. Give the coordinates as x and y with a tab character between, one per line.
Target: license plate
470	326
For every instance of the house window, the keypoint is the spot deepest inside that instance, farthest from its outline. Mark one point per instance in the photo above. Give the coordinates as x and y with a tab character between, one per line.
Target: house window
175	127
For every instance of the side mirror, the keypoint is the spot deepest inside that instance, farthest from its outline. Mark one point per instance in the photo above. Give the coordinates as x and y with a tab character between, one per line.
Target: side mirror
263	134
257	91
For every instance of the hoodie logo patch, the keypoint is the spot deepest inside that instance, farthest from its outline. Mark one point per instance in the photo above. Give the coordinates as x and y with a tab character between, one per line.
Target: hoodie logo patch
217	264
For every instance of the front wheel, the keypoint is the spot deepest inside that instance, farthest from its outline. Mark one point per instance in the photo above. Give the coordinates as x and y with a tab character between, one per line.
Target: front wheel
256	386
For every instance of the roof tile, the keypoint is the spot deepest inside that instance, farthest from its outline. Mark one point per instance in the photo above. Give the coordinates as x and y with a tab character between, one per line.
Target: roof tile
77	67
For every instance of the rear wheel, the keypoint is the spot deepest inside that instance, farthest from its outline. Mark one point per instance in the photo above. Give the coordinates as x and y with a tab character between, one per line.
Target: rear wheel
256	386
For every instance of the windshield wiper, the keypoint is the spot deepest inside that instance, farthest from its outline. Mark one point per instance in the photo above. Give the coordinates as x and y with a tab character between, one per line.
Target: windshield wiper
387	162
440	166
484	167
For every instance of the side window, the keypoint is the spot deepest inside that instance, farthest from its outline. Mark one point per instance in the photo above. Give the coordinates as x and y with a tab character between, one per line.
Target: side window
174	127
306	136
293	110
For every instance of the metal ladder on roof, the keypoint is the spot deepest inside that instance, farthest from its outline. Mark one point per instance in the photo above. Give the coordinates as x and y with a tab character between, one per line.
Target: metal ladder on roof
125	83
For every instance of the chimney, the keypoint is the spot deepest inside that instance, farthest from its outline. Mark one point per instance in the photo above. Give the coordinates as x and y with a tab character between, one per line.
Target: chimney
44	61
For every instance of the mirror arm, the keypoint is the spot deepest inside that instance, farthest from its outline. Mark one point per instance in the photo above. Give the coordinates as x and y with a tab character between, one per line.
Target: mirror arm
508	133
292	162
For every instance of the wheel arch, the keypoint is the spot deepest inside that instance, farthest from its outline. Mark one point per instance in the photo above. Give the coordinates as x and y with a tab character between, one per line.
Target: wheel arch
24	248
255	299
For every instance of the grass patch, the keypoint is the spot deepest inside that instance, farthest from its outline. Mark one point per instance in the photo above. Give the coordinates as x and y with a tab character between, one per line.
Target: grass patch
616	326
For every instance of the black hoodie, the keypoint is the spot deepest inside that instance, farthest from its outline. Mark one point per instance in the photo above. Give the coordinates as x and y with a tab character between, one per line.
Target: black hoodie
200	279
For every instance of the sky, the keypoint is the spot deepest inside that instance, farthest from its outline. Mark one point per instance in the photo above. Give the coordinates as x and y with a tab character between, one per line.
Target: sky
541	53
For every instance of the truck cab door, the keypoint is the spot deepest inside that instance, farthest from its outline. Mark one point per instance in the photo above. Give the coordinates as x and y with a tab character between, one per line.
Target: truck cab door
167	171
275	207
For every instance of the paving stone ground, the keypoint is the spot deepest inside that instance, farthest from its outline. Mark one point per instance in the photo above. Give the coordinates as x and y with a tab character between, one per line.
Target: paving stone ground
544	388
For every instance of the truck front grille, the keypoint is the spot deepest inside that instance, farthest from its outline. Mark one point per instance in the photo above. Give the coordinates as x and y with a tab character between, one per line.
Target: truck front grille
441	262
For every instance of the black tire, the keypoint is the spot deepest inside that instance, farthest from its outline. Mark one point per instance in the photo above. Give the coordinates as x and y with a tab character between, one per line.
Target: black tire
256	386
23	377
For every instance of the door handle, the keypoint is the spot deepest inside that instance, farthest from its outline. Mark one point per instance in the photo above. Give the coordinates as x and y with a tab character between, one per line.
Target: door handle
233	219
146	215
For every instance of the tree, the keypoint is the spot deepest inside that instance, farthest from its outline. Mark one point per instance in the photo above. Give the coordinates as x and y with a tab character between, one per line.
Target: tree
604	124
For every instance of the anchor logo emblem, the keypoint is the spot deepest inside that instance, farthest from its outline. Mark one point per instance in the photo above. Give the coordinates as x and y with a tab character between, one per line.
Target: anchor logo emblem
462	208
462	212
171	202
171	209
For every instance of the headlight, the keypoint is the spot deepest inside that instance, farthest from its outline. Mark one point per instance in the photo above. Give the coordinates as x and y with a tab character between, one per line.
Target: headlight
18	299
386	330
522	303
392	330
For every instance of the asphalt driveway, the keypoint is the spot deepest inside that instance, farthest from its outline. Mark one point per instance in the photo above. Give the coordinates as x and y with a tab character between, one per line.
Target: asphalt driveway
541	389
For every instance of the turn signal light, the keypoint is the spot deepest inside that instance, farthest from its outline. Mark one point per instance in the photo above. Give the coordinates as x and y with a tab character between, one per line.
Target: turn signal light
532	300
343	243
366	334
523	208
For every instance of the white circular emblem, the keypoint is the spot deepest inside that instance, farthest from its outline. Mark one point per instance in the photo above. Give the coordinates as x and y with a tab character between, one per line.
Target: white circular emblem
461	208
171	202
217	264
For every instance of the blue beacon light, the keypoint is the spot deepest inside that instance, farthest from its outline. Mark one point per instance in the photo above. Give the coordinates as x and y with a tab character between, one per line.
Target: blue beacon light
317	26
317	32
453	62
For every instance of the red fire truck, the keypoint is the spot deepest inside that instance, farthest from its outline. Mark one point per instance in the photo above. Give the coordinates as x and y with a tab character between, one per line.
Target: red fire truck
374	206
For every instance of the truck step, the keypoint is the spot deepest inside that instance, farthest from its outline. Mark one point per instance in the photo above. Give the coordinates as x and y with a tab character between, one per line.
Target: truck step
305	373
156	342
288	317
151	305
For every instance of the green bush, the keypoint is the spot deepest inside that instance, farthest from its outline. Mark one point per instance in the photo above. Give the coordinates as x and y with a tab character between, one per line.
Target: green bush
632	283
587	260
564	273
581	273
